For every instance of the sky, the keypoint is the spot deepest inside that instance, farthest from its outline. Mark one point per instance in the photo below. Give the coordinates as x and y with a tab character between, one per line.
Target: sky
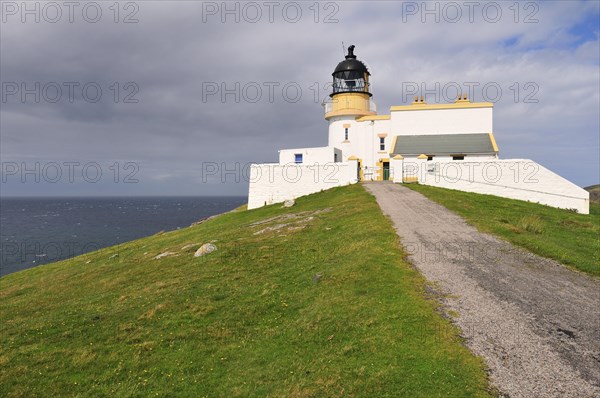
179	97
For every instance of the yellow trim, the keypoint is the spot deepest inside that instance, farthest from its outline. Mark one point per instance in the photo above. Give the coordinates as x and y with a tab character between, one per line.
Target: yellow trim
361	174
380	135
422	156
379	164
398	157
374	117
350	112
352	158
457	105
494	145
411	179
393	147
347	125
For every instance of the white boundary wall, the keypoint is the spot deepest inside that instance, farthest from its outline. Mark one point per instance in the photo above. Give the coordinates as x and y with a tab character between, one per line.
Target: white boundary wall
521	179
275	183
310	155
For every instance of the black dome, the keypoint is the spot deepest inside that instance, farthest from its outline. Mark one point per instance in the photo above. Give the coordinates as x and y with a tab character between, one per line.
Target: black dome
351	64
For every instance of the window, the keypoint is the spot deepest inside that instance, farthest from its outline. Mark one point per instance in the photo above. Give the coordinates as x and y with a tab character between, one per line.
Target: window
382	143
298	158
458	157
429	157
335	158
346	134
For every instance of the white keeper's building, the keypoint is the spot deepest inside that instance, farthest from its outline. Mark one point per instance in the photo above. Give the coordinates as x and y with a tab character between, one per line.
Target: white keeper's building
449	145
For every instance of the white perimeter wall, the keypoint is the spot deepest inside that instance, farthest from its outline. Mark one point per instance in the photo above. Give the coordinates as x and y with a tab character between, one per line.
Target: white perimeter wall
310	155
275	183
521	179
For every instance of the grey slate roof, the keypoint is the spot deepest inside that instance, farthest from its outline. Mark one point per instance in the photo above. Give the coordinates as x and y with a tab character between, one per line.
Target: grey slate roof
443	144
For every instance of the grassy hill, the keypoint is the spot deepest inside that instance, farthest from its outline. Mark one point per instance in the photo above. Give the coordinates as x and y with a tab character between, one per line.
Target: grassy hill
594	191
309	301
571	239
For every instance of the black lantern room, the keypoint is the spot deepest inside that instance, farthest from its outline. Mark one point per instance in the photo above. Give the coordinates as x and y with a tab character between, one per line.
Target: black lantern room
351	76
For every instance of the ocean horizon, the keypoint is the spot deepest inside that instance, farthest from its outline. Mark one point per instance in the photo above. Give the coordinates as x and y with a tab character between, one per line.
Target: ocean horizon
41	230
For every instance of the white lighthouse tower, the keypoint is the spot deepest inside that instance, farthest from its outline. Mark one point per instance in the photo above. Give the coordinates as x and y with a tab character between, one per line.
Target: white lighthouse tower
351	101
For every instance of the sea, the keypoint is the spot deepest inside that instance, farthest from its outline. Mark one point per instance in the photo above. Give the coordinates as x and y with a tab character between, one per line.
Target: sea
37	231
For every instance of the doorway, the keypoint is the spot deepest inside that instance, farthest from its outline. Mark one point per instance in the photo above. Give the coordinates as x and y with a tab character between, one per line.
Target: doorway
386	171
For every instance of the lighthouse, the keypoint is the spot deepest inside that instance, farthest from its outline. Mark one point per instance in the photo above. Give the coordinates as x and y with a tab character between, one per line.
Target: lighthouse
438	144
350	105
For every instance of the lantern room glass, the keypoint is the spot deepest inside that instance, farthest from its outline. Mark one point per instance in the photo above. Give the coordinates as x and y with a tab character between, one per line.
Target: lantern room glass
350	81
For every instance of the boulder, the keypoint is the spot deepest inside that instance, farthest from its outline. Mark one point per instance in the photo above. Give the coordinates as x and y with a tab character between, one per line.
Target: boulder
205	249
289	203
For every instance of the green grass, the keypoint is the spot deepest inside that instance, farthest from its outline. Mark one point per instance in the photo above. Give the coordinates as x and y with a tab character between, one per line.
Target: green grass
570	238
323	307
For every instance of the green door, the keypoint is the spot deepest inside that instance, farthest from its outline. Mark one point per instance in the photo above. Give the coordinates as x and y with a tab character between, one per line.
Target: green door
386	171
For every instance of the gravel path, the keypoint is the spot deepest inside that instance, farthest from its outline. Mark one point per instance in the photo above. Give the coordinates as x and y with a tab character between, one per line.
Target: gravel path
535	322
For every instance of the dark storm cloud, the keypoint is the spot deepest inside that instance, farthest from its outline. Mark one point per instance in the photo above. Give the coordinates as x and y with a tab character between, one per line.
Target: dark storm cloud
175	53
